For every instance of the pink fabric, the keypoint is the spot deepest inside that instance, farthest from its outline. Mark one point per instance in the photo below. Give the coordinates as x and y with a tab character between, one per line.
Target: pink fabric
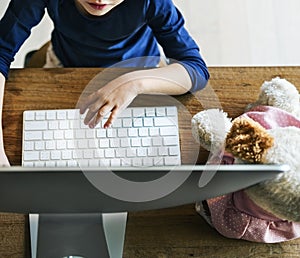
235	215
257	226
271	117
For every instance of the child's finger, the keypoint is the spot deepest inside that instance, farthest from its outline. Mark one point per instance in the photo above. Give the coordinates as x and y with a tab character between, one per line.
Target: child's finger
94	118
84	103
111	118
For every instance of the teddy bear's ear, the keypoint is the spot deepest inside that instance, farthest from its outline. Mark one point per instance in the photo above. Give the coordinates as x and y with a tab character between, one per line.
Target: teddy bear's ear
209	128
278	93
248	140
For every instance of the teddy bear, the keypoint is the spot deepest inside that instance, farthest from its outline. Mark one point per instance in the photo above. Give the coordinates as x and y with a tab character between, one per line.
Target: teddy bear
268	132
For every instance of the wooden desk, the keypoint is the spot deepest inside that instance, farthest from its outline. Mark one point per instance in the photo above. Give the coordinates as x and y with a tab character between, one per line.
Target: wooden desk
175	232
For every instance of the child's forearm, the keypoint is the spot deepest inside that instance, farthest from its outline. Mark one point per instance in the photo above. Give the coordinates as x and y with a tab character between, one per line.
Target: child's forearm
2	85
3	158
170	80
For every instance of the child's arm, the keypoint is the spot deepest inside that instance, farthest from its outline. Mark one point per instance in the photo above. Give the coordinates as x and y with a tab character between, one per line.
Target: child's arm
167	25
3	159
119	93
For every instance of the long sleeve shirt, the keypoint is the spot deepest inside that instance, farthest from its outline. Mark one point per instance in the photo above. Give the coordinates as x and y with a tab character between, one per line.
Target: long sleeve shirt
133	29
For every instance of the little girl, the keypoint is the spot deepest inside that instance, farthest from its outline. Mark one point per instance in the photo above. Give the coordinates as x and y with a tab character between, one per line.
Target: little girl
97	33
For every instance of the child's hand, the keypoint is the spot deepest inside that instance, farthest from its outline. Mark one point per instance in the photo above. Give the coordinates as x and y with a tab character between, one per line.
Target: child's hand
3	159
113	97
120	92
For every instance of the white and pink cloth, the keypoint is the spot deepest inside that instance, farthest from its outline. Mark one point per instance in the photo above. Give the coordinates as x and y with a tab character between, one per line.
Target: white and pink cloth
235	215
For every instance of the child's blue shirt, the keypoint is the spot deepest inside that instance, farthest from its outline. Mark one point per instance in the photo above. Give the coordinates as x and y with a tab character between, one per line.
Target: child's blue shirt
131	29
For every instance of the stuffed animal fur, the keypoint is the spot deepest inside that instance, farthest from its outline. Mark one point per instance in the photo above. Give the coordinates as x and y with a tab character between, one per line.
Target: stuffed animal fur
273	141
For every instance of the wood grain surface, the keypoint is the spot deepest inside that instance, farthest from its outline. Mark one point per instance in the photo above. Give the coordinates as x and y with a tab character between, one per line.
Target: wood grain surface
174	232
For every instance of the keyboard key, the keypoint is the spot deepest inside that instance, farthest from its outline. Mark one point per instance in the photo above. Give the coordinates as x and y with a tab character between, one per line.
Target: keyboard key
169	161
137	122
73	114
40	115
137	162
148	122
132	132
114	143
125	113
135	142
103	143
67	154
48	135
111	133
157	141
93	163
138	112
125	142
160	111
28	115
127	122
101	133
61	114
31	156
171	111
63	124
150	111
50	145
117	123
163	151
162	121
50	115
93	144
45	155
143	131
61	145
53	125
174	151
99	153
148	162
55	155
39	145
131	152
146	142
28	146
33	135
58	135
109	153
36	125
170	141
61	163
168	130
154	131
69	134
120	153
142	152
152	152
122	132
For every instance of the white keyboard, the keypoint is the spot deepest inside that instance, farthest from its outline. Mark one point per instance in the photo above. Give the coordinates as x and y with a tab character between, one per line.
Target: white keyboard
140	136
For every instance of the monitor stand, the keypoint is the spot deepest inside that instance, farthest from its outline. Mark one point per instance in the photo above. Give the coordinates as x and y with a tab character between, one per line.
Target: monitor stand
77	235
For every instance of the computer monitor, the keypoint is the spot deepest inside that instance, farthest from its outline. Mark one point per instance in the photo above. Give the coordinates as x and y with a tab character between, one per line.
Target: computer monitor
69	190
68	201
